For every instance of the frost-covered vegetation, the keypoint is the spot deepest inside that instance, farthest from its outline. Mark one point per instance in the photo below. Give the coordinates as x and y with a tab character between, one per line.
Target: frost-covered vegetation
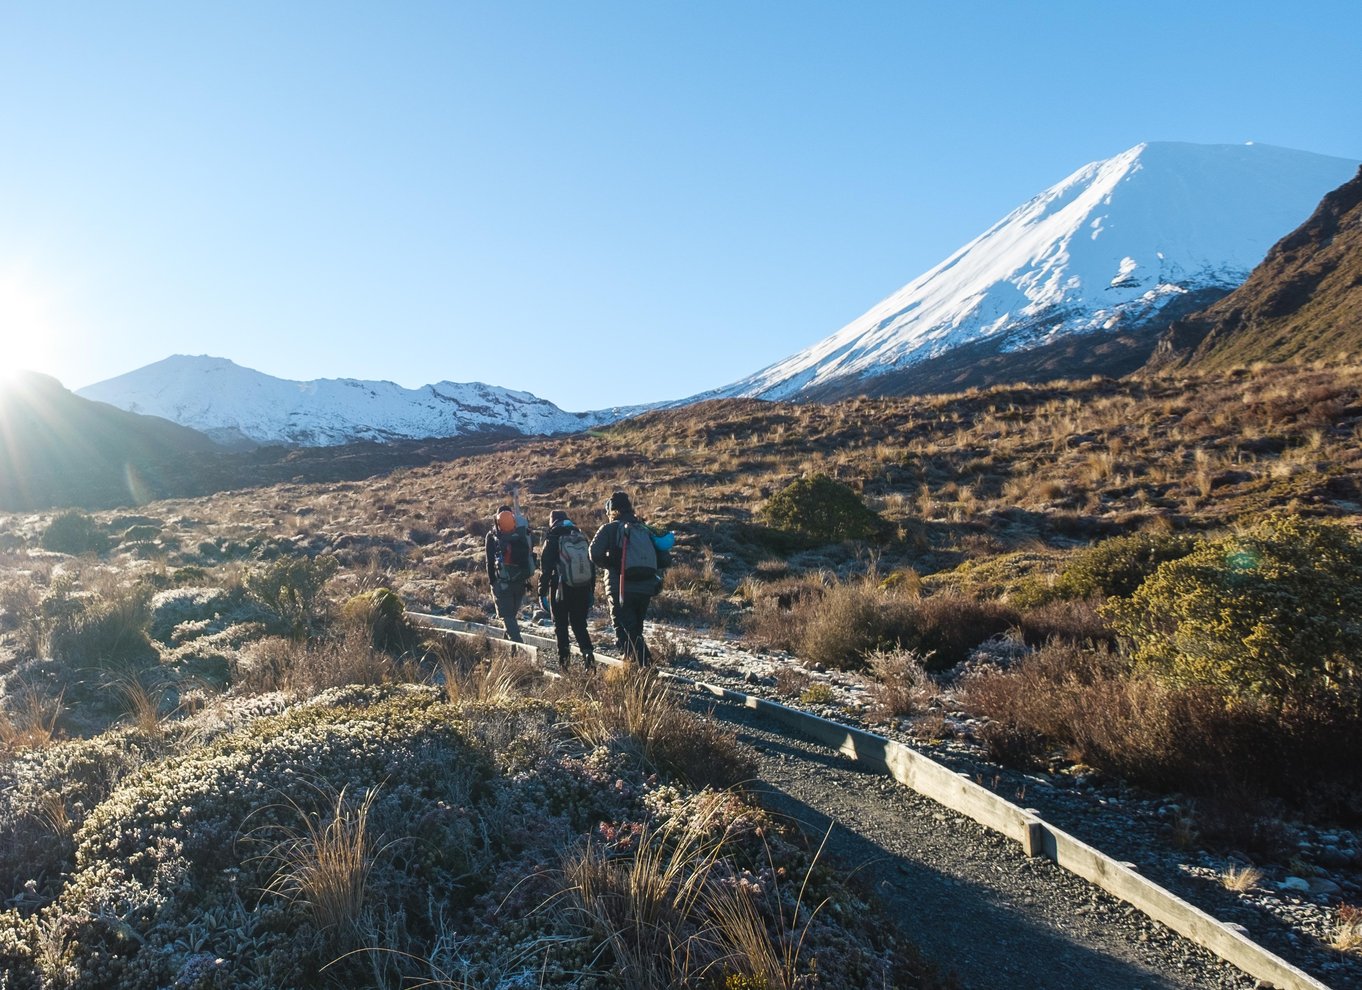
259	783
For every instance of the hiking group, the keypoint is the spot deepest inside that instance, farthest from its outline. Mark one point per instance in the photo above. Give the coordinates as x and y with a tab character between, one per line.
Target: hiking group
631	555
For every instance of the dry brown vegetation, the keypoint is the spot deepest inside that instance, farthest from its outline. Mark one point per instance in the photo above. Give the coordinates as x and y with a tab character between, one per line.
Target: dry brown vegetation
985	497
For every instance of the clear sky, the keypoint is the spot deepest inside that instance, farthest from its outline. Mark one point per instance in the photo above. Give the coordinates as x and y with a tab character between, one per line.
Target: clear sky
598	202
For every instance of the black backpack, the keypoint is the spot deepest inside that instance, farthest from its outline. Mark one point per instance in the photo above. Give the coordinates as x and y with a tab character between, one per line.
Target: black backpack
515	561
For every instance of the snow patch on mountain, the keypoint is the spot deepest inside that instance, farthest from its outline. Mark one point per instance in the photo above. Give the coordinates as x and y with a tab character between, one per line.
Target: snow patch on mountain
236	405
1107	247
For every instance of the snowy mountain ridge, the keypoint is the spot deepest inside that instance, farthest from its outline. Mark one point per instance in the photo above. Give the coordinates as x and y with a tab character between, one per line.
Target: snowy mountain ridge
1108	247
239	406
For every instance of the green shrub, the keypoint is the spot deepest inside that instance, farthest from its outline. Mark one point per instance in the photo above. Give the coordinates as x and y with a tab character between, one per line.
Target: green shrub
817	694
75	533
821	509
1270	614
45	795
1112	568
291	589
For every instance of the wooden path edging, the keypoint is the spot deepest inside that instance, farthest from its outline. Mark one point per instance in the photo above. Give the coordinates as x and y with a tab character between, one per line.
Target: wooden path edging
955	791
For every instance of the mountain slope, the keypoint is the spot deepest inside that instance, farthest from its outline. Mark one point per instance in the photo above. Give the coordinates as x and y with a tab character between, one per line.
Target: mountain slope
1303	302
1108	249
60	449
238	406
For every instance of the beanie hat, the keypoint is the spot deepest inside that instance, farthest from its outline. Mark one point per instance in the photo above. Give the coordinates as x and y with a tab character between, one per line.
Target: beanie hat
557	516
619	502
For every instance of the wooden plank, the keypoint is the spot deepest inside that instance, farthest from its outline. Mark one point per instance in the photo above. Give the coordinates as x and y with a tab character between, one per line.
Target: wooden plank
1167	908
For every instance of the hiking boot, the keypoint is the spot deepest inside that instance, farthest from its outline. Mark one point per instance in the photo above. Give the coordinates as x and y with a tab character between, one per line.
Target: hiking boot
589	661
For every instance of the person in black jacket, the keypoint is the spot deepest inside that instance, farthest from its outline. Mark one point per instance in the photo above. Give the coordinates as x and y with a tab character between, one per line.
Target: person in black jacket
568	604
629	596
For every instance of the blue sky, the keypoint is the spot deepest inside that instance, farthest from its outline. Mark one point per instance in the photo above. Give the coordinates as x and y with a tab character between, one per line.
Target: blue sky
600	203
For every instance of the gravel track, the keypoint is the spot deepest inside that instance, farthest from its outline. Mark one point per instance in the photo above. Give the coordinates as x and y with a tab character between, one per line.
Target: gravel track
969	898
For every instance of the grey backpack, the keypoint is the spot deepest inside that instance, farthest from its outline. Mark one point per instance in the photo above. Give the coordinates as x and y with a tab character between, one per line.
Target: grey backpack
638	555
574	559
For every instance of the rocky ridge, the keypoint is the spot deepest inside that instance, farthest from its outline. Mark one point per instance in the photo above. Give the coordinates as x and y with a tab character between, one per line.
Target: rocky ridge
1303	303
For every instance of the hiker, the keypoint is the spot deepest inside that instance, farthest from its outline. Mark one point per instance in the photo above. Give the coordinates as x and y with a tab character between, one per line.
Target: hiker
510	563
567	585
624	548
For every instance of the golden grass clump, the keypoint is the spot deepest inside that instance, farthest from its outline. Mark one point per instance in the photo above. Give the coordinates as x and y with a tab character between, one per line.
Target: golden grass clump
642	712
672	913
324	861
1241	879
1347	931
29	721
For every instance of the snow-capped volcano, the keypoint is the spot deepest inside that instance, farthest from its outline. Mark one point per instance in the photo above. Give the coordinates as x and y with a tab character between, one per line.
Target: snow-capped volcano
1107	248
235	405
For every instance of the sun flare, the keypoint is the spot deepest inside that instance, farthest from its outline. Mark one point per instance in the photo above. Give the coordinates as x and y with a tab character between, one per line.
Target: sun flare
28	328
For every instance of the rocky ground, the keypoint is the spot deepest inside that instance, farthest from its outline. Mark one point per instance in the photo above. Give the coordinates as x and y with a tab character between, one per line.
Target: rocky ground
999	918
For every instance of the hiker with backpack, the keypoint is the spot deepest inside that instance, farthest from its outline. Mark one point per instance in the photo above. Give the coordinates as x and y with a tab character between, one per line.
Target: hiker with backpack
567	585
624	548
510	563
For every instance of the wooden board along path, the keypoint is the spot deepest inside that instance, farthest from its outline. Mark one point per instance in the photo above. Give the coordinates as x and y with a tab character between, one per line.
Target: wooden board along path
957	792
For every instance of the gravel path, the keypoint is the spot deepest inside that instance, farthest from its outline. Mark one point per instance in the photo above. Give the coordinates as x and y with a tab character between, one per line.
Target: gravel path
974	903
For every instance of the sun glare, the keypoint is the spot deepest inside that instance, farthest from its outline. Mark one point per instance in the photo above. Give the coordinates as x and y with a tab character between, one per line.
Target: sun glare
27	327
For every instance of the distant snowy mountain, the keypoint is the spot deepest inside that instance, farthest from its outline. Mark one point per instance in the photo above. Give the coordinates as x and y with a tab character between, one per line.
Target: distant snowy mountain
1114	247
238	406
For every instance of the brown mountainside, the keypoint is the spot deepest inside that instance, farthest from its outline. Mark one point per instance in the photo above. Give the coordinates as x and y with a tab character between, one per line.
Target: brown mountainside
1303	303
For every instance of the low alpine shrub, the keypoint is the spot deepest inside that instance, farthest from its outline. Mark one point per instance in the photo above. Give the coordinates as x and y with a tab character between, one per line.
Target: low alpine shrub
382	616
821	509
1115	567
1267	614
291	588
75	533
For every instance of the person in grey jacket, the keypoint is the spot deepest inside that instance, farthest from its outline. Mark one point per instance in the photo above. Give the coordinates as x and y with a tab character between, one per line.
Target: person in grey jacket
629	597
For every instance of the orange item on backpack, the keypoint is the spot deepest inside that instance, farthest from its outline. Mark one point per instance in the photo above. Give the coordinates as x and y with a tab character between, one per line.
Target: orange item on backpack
506	521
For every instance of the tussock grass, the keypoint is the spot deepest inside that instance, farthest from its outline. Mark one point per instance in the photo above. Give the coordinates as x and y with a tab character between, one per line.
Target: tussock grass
324	861
1347	930
641	712
29	720
483	670
1241	879
141	700
673	912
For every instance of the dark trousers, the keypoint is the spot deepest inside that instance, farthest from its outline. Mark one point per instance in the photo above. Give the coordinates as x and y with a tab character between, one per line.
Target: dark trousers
569	607
508	602
628	611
